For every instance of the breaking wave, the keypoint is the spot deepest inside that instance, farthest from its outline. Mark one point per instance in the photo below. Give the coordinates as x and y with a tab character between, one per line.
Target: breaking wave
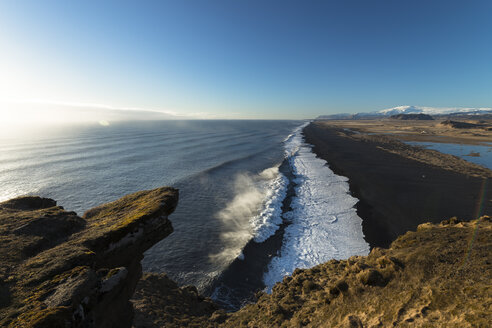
323	222
255	212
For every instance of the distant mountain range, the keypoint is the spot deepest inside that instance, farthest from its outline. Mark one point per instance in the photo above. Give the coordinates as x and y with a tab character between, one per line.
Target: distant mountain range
449	111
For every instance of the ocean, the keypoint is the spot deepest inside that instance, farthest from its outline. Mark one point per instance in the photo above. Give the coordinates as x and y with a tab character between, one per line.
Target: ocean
255	202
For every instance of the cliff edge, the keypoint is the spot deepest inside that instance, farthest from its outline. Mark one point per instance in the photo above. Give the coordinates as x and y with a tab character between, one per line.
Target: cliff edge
62	270
437	276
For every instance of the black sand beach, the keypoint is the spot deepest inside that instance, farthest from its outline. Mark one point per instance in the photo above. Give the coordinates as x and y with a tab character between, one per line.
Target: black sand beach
237	285
395	192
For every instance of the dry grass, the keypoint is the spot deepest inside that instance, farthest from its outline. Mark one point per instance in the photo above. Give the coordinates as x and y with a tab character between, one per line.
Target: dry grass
427	278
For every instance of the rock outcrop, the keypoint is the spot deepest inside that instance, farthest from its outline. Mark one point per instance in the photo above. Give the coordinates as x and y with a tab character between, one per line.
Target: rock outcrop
62	270
417	117
461	125
159	302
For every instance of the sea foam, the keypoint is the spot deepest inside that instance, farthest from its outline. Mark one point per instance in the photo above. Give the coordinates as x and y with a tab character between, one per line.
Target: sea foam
268	221
255	212
323	222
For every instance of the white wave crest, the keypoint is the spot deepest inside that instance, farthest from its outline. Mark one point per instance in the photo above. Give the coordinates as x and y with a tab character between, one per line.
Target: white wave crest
255	212
268	221
324	223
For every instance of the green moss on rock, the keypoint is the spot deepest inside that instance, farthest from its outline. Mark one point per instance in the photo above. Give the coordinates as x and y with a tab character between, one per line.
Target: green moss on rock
50	258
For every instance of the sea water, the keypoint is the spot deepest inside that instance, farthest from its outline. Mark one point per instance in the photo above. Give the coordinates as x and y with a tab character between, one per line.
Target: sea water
320	223
231	189
225	171
478	154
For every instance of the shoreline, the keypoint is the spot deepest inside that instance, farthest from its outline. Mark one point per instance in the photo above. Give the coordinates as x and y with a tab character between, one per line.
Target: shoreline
395	191
261	264
243	278
418	130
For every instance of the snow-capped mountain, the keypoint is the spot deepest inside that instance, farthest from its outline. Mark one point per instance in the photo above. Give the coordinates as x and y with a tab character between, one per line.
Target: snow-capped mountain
412	110
433	110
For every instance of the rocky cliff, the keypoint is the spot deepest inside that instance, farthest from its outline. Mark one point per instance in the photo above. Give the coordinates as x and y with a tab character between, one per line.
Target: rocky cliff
62	270
437	276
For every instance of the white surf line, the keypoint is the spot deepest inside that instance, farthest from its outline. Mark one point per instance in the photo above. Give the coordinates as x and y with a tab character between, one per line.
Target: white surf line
267	222
324	223
255	212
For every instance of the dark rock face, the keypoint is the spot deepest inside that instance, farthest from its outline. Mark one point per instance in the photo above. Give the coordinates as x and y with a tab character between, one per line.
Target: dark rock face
29	203
159	302
61	270
461	125
418	117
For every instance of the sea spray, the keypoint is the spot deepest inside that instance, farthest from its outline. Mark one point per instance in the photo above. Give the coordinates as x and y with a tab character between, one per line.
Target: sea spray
235	217
254	213
238	283
323	223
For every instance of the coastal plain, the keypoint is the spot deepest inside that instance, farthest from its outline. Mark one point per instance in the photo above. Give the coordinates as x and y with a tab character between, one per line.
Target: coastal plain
463	130
400	186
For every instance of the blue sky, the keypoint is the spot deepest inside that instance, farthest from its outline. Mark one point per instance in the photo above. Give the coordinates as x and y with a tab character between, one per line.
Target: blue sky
247	59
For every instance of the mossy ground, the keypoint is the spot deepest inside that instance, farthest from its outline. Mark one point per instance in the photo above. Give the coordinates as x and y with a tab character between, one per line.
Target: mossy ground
113	221
50	257
437	276
434	277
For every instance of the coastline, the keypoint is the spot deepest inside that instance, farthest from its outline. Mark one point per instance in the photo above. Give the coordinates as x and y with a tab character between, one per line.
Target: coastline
243	278
397	193
437	130
304	238
91	275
